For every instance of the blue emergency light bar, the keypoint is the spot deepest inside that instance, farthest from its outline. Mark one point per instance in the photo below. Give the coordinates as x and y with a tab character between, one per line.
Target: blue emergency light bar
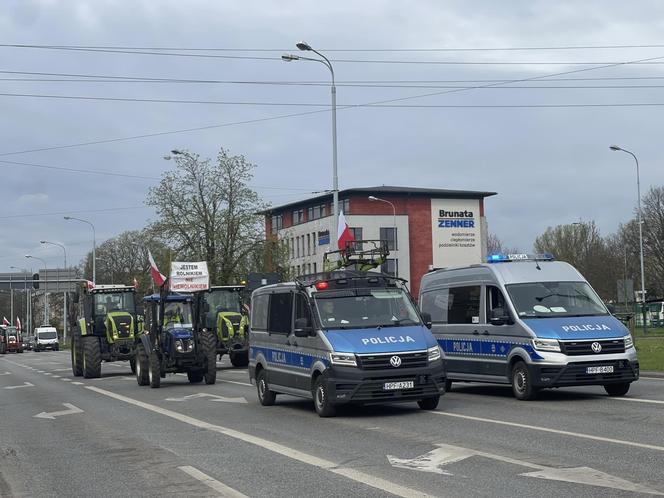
504	258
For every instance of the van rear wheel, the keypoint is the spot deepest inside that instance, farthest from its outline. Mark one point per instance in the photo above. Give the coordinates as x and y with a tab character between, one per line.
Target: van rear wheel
617	389
522	382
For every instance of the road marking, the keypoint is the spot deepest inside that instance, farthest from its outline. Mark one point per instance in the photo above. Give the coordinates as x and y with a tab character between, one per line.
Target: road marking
40	371
333	467
206	395
446	454
114	377
47	373
6	373
57	376
61	370
25	384
51	416
235	382
66	380
78	383
655	401
220	487
652	378
553	431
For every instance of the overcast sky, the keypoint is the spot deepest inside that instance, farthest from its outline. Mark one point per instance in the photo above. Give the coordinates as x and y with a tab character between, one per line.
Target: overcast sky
549	165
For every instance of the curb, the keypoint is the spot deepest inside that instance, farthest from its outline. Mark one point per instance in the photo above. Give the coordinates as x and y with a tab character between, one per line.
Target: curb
658	375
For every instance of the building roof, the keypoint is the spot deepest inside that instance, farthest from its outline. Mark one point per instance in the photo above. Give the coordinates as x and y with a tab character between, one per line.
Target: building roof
389	190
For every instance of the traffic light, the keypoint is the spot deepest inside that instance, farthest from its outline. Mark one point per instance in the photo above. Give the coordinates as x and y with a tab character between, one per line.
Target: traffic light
35	281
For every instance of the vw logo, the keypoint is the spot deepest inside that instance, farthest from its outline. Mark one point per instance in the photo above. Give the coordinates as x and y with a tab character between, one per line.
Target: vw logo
395	361
596	347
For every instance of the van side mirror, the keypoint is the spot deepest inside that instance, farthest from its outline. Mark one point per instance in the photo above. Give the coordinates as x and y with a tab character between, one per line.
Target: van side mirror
426	318
499	317
302	328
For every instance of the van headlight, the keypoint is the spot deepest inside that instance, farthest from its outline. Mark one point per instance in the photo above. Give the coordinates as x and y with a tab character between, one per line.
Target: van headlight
629	342
343	359
433	353
546	345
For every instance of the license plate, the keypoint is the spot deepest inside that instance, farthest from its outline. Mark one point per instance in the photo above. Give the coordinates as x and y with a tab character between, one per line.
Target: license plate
600	370
391	386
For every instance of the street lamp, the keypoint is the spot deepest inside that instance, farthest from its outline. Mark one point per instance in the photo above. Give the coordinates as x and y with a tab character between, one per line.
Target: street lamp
394	223
94	245
638	193
335	179
64	317
45	293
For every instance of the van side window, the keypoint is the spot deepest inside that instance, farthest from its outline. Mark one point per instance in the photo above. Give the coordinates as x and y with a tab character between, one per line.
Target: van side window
281	313
494	300
464	305
436	304
259	312
302	309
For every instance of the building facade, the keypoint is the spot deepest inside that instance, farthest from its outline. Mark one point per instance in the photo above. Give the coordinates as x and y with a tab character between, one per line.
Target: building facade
423	228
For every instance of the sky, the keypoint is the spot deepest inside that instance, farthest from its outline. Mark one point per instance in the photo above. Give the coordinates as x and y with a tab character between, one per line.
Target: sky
522	98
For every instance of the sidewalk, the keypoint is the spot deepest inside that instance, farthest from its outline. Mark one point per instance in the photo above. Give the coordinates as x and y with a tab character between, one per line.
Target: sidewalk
658	375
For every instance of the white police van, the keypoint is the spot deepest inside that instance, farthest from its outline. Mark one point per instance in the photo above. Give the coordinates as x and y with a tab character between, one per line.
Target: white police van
342	337
527	321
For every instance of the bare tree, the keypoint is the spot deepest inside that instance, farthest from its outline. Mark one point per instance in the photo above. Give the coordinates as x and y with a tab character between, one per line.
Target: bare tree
496	246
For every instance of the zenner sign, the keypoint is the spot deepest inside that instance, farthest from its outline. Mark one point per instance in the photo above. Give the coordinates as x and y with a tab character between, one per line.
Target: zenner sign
456	229
189	277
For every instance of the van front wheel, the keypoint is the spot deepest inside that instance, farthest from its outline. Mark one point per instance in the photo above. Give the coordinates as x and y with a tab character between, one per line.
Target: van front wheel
617	389
522	382
429	403
324	406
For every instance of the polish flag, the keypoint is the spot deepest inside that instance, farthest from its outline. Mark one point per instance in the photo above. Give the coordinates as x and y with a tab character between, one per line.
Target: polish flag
18	323
343	231
158	278
89	284
5	322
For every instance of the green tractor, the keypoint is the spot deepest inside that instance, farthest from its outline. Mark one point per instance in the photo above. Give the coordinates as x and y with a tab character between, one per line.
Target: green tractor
104	328
221	310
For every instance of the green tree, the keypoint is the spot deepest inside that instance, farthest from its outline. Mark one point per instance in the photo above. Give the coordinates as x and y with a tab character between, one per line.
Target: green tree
207	211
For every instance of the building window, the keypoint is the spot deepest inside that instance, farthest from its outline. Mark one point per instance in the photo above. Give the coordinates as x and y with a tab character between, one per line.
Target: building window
389	235
391	267
316	212
291	244
277	223
315	267
313	243
356	232
298	216
308	244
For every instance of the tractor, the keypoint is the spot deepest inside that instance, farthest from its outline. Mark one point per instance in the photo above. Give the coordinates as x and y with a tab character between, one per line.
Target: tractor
171	344
104	328
221	311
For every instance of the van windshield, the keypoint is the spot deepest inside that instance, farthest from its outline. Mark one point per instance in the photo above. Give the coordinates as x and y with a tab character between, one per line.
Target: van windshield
47	335
365	308
555	299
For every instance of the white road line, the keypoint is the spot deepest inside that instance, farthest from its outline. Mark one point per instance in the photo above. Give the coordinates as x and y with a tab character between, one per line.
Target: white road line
57	376
66	380
78	383
638	400
235	382
61	370
333	467
25	384
220	487
48	373
553	431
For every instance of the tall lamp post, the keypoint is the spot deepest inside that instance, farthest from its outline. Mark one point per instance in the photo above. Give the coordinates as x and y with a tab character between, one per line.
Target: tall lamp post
335	179
394	223
27	296
45	293
94	245
638	193
64	318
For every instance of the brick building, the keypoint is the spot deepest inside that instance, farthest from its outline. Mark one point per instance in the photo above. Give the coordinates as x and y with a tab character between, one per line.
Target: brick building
427	228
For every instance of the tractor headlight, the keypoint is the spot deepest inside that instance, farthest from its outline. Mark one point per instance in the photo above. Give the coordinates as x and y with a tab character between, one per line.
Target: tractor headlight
629	342
433	353
343	359
546	345
184	346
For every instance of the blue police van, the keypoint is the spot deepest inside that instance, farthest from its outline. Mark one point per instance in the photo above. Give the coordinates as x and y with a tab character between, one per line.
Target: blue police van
343	337
528	321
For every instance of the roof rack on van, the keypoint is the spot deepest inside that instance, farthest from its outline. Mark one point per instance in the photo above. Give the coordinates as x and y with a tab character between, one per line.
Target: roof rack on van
364	255
323	280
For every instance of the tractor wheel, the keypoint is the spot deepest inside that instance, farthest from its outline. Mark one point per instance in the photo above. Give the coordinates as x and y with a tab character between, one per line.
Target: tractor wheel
195	376
154	370
209	342
239	360
142	367
91	358
76	360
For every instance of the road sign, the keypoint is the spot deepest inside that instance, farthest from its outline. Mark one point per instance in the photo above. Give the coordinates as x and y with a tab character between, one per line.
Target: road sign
51	279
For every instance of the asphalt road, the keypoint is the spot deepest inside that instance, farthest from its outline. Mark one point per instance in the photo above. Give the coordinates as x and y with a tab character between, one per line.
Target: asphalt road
63	436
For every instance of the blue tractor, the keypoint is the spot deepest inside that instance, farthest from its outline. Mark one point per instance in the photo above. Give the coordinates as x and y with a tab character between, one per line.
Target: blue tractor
171	344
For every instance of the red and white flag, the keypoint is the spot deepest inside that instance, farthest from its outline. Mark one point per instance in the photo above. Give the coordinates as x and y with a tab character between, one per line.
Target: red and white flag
158	278
89	284
18	323
5	322
345	236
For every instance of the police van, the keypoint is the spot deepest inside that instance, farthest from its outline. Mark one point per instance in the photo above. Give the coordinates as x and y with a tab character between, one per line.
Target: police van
342	337
528	321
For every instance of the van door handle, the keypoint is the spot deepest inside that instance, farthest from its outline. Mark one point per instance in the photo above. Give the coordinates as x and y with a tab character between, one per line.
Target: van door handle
475	332
486	332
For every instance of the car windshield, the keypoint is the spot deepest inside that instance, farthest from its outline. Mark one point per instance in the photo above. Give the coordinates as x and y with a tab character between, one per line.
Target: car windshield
47	335
365	308
108	302
555	299
177	314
